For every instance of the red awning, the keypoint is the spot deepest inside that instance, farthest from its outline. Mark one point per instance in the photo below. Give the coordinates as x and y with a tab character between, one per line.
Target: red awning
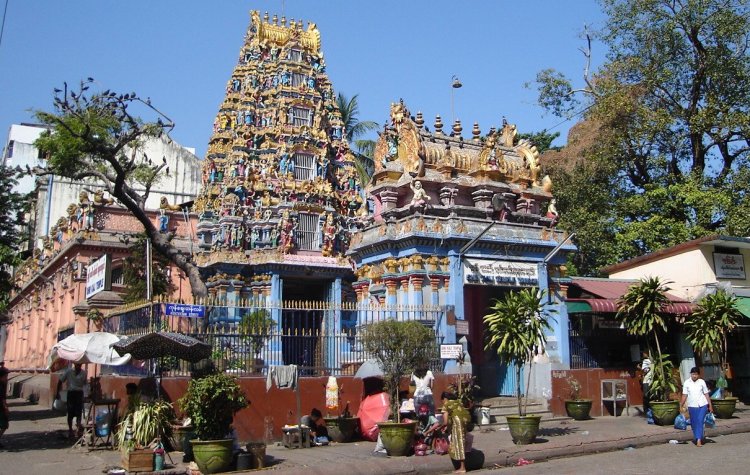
610	306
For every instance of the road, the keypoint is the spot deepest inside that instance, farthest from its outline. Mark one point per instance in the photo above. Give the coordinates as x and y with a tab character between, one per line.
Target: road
723	454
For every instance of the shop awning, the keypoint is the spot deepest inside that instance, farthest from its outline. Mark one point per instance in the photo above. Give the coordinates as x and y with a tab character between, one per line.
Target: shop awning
743	305
610	306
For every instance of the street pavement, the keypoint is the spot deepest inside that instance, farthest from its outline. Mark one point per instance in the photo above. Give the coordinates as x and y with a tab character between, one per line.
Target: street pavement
36	443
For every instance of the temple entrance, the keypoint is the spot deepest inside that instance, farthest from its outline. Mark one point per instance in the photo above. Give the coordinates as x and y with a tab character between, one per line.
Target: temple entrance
495	378
301	327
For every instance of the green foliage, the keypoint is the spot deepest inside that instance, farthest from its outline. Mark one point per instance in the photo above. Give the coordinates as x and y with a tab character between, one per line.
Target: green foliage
641	312
542	139
148	421
134	273
255	327
515	328
715	316
211	403
667	116
12	208
354	130
399	348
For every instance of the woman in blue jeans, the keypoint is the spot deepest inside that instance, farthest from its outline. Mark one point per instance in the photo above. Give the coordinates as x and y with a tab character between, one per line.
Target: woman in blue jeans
695	394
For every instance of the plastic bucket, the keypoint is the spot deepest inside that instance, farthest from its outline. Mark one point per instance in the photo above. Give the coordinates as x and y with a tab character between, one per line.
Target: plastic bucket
484	415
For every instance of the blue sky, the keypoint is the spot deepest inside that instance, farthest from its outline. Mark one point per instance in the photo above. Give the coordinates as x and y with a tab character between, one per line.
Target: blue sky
181	53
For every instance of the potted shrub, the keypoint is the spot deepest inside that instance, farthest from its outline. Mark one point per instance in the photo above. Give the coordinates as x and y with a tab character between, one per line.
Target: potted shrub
713	319
399	348
577	407
344	427
515	330
255	328
143	423
211	403
641	312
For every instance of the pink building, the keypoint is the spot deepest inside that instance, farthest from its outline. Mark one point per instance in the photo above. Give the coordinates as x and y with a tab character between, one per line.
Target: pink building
50	301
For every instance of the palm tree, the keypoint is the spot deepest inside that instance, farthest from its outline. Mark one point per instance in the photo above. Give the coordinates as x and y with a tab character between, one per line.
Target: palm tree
515	330
715	316
363	148
641	311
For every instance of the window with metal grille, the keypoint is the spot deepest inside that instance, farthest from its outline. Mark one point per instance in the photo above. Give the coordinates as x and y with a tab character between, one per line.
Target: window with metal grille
301	117
298	79
295	55
304	166
308	232
118	277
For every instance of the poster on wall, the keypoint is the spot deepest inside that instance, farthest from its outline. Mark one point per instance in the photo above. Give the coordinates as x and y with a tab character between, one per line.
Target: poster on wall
729	266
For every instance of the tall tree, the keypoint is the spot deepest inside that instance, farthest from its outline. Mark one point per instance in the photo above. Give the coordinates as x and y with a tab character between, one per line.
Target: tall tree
667	121
13	206
355	130
97	135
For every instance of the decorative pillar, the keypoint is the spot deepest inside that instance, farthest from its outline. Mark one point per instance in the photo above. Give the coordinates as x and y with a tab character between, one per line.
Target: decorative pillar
482	198
435	286
389	199
448	196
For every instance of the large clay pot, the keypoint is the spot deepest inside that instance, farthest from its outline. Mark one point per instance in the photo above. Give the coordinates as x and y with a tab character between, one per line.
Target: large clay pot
724	408
213	456
579	409
342	429
523	429
397	437
665	412
181	437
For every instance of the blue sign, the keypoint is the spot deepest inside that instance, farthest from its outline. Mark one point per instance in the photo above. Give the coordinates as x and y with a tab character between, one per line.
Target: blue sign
183	310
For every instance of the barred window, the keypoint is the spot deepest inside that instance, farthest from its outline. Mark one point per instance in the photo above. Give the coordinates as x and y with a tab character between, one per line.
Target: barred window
301	117
295	55
298	79
304	166
308	232
118	277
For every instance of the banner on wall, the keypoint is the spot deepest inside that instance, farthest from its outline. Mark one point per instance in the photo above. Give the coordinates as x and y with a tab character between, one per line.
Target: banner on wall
98	276
500	273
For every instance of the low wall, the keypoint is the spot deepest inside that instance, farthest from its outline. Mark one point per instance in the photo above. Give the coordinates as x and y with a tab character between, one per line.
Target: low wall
270	410
590	380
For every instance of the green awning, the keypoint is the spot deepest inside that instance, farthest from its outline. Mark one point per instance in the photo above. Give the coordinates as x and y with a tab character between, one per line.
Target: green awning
578	307
743	305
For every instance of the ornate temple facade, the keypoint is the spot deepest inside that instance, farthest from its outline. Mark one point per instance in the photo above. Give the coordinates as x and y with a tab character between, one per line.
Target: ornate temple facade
280	191
457	222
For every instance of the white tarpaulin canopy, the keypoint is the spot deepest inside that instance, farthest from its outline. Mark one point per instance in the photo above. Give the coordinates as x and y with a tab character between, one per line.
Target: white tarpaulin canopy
93	347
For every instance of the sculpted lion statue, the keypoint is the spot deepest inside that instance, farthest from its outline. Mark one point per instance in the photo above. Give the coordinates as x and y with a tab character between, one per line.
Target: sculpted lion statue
164	204
100	199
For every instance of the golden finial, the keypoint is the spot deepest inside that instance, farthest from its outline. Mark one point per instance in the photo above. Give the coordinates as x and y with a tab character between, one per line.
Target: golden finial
419	120
476	132
292	23
283	20
457	128
275	20
265	17
438	124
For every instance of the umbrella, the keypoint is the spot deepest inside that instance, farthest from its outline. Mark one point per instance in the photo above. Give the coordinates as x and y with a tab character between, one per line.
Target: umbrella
369	369
161	344
373	409
93	347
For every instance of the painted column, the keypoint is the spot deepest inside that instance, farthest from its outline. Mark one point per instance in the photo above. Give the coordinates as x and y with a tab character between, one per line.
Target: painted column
417	281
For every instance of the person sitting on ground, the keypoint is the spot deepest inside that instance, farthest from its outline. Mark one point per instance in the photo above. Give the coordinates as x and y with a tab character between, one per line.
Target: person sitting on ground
317	425
428	424
75	378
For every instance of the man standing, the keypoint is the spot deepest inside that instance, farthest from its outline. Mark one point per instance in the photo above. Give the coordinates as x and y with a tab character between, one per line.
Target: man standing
646	383
4	412
76	379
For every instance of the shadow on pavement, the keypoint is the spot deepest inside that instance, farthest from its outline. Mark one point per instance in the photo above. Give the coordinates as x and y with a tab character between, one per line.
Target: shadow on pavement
556	431
31	441
33	415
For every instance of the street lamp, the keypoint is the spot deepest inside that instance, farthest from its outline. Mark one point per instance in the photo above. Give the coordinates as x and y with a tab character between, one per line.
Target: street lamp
455	84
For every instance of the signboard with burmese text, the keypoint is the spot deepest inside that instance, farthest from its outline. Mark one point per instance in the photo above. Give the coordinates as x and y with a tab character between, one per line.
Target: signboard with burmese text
729	266
500	273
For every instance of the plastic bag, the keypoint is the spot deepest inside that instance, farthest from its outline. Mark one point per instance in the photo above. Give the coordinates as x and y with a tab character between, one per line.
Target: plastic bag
710	420
721	383
680	422
440	445
716	394
59	405
649	416
420	449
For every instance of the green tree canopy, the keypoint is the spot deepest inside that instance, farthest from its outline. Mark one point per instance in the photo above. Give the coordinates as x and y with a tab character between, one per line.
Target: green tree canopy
97	135
665	135
13	206
355	131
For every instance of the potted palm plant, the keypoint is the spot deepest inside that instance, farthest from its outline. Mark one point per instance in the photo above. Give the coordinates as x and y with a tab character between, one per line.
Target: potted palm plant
577	407
143	423
713	319
255	327
640	310
211	403
399	348
514	329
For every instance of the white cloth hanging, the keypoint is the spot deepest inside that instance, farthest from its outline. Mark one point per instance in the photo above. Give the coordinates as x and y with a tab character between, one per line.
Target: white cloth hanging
284	376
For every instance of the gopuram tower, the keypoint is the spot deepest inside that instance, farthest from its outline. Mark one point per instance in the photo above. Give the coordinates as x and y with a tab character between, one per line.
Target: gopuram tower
280	190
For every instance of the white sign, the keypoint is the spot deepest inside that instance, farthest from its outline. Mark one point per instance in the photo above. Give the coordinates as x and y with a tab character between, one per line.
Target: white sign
729	266
500	273
97	276
451	352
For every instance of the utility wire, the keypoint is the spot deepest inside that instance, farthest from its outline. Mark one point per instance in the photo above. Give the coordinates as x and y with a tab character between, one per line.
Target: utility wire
2	27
